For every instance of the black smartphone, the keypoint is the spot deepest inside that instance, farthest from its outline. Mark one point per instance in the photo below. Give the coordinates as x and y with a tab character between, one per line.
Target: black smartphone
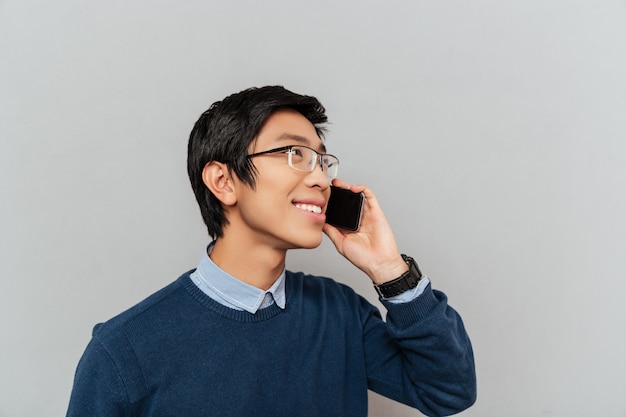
344	209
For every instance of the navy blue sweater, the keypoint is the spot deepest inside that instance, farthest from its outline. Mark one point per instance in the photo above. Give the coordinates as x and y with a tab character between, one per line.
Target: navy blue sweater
181	354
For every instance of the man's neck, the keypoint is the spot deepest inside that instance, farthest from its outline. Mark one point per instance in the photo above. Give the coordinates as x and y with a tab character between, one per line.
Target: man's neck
254	264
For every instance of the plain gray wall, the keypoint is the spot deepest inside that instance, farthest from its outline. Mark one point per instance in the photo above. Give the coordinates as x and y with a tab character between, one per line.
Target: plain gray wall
493	132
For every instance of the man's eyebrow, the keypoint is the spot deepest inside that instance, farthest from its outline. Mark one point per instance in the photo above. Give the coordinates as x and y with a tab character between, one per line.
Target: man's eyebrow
300	139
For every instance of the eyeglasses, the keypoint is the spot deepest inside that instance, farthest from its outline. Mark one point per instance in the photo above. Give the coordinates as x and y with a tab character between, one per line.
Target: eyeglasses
305	159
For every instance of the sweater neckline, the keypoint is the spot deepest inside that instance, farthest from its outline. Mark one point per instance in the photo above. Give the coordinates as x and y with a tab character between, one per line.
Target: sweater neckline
230	313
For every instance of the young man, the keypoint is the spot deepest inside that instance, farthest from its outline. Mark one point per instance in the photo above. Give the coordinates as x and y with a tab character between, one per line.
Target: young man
240	335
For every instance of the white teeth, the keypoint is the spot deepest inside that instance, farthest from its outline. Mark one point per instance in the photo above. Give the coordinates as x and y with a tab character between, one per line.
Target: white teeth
309	207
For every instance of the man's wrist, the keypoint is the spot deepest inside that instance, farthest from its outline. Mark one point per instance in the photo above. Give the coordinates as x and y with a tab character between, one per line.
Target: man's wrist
411	295
405	282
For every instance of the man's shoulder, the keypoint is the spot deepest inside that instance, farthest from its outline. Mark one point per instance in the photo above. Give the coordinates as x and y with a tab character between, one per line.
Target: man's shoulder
321	286
152	308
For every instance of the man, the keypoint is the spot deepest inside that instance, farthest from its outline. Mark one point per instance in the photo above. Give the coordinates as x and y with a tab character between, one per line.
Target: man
240	335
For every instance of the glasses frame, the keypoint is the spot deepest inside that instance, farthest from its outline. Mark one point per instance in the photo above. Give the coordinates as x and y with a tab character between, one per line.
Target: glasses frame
289	148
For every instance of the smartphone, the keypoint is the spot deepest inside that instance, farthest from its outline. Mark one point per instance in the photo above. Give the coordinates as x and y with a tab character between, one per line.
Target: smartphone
344	209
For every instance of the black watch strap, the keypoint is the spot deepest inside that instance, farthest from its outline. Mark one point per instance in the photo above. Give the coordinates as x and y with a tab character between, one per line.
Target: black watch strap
405	282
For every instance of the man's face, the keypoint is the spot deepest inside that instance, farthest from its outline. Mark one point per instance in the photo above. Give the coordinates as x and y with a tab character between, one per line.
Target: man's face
285	209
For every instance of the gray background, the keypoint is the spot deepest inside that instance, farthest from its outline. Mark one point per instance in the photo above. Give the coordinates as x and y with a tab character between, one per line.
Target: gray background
492	131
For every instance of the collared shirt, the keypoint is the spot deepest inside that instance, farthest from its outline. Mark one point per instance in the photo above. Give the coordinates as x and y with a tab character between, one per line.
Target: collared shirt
234	293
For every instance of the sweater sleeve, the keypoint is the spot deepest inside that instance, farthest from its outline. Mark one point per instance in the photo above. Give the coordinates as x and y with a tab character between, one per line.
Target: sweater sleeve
98	389
422	356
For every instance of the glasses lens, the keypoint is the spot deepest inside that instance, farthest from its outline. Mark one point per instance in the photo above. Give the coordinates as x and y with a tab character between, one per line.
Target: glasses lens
305	159
302	159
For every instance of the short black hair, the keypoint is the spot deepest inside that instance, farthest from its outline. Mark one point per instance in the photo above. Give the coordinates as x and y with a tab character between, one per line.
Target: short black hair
224	132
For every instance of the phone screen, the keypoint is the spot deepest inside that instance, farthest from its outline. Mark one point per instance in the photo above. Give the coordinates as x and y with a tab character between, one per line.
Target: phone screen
344	209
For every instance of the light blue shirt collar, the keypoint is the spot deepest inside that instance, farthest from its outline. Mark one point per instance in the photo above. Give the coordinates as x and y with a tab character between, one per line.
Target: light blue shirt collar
232	292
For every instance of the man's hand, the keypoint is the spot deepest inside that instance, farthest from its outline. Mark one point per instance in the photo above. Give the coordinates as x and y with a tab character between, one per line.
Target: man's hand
373	247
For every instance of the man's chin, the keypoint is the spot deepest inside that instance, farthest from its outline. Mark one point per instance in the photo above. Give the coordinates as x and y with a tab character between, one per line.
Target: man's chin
309	244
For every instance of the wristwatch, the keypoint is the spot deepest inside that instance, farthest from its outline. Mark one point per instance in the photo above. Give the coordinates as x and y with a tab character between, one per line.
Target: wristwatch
405	282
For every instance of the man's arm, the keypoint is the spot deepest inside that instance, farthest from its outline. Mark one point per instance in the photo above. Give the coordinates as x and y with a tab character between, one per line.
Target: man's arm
422	356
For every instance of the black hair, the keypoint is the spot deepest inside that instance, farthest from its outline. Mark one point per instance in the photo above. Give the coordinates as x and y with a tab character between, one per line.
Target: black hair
224	132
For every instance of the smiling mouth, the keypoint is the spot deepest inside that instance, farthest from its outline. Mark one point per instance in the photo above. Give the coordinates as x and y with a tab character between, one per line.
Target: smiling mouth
309	207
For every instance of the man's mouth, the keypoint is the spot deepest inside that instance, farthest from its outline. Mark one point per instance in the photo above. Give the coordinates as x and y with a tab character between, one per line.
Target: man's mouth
309	207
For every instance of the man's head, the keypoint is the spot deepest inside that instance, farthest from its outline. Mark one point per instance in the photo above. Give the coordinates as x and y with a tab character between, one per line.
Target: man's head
225	133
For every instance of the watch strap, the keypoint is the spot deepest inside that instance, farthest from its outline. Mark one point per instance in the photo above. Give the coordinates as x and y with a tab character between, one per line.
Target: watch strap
407	281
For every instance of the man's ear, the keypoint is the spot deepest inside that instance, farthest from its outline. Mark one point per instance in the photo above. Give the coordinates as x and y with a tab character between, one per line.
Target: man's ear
216	177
